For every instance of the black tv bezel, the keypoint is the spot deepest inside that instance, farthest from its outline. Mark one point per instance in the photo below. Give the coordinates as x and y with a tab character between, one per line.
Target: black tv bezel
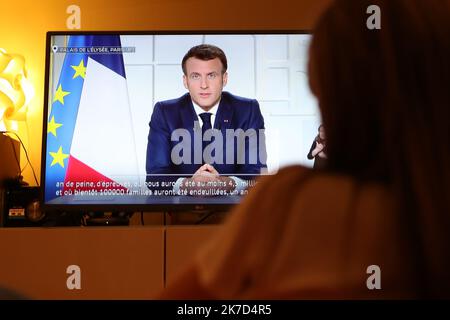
200	206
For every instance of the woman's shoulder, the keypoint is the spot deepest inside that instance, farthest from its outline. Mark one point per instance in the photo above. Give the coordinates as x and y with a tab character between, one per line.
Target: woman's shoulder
297	176
298	222
316	188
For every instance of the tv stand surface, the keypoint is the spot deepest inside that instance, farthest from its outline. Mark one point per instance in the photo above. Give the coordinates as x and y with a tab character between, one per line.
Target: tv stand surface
108	221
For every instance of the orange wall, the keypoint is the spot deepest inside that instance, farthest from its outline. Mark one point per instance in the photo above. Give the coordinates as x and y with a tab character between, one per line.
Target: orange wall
23	25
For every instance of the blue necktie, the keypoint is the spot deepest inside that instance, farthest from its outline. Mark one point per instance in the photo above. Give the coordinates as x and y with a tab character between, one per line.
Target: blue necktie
206	118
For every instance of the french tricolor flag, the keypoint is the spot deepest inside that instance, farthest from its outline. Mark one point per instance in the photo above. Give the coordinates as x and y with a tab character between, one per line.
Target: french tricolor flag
90	141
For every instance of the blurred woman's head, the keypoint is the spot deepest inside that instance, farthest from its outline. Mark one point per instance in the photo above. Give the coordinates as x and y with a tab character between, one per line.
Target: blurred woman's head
383	86
321	134
385	102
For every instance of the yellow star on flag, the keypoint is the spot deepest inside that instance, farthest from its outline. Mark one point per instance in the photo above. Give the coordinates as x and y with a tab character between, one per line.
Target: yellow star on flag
60	94
80	70
58	157
52	126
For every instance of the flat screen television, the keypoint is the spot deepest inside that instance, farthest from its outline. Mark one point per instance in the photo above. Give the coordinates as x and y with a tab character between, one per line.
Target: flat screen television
120	123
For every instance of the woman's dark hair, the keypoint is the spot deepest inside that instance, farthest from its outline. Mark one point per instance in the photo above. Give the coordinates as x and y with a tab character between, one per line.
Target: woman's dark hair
318	138
205	52
391	87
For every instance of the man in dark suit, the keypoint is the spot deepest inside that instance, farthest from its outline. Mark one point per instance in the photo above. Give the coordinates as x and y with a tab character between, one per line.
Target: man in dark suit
208	138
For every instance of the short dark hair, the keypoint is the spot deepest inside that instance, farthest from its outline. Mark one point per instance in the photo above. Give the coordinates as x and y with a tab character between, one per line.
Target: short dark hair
205	52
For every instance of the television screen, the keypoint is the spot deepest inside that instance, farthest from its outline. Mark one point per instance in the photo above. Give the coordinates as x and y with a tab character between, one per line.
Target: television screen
172	120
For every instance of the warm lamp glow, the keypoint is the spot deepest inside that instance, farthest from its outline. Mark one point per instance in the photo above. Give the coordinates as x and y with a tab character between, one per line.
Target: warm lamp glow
16	90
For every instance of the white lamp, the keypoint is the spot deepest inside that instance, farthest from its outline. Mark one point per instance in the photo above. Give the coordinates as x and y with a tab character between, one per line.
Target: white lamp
16	90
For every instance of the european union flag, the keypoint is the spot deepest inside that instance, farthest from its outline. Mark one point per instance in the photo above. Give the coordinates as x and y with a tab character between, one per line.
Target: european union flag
88	103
